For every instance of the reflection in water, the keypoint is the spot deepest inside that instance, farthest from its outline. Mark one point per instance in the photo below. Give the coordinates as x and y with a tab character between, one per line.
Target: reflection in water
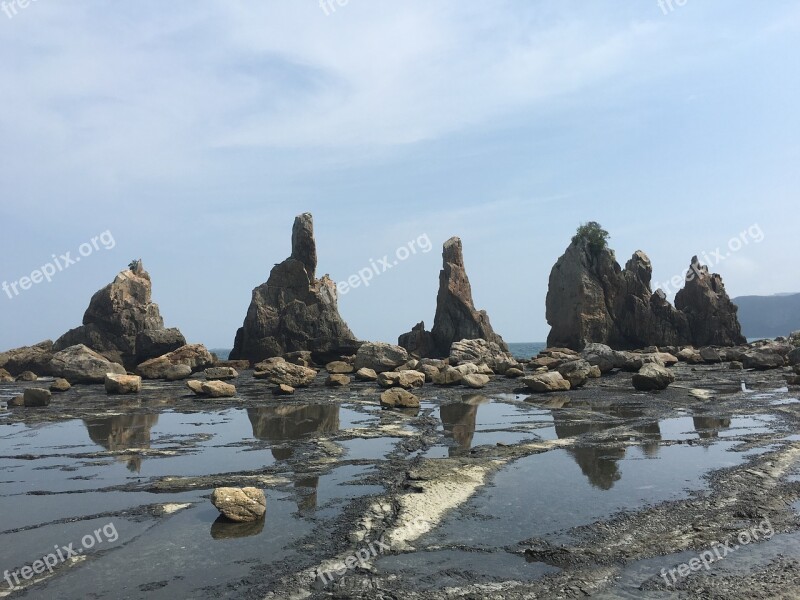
123	432
225	529
600	463
460	420
287	423
708	427
292	422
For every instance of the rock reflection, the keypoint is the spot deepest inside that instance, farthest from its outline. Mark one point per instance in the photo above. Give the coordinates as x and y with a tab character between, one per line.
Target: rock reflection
460	421
709	427
225	529
600	462
122	432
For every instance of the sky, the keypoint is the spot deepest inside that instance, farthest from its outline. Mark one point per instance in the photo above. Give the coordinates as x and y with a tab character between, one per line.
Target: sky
191	133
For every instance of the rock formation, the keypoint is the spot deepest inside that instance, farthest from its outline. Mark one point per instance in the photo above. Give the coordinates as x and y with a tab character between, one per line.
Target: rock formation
28	358
456	317
122	323
293	310
711	313
591	299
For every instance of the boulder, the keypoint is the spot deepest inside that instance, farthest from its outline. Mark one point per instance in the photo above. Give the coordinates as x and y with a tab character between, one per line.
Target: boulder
546	382
691	356
16	401
194	356
79	364
60	385
123	384
604	357
793	358
36	397
365	374
120	317
403	379
221	373
278	371
283	390
763	359
339	367
300	357
177	372
240	504
479	351
476	380
652	377
430	372
448	375
337	380
513	373
380	357
27	376
294	310
710	355
28	358
5	376
217	389
735	365
195	385
456	317
576	372
399	398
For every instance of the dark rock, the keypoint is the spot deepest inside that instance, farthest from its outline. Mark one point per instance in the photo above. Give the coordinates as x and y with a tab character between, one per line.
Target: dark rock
591	299
456	318
36	397
293	310
712	316
221	373
763	359
28	358
27	376
119	317
418	341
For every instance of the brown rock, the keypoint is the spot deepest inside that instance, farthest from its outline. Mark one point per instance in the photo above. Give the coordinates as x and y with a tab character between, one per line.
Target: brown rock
240	504
36	397
399	398
194	356
60	385
217	389
27	376
277	371
337	380
294	310
123	384
79	364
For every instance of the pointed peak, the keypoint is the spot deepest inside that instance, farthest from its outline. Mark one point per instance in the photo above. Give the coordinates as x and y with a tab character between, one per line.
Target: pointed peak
304	247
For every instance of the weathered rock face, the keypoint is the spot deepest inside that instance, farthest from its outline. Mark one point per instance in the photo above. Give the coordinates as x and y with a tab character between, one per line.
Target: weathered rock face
79	364
29	358
591	299
177	364
293	310
456	317
122	323
711	314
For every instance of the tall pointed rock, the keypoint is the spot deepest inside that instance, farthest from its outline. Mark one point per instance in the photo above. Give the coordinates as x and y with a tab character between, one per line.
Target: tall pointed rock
294	310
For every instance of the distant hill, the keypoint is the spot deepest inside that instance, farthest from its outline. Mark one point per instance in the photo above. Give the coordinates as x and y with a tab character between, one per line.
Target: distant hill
769	316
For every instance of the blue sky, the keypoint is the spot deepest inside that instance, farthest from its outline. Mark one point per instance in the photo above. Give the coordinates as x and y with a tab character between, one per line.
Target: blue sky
195	131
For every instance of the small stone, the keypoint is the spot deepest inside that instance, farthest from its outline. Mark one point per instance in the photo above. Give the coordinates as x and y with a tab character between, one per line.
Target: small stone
476	380
221	373
399	398
217	389
36	397
366	374
177	372
283	390
652	377
514	373
195	385
27	376
339	367
60	385
403	379
337	380
123	384
551	381
736	365
240	504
